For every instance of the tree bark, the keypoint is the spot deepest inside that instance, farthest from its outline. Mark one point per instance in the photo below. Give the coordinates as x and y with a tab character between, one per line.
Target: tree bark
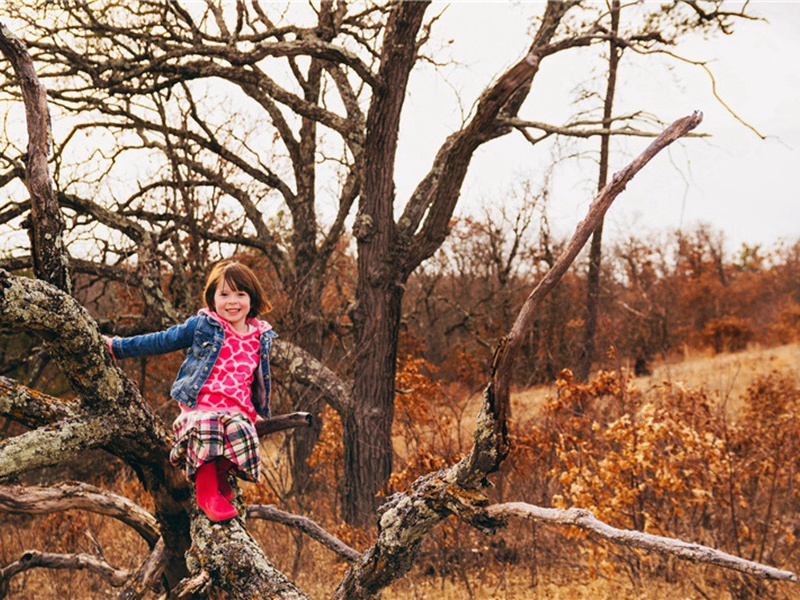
46	223
368	424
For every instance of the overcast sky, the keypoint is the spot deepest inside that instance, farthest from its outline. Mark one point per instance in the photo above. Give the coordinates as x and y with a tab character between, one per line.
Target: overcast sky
744	185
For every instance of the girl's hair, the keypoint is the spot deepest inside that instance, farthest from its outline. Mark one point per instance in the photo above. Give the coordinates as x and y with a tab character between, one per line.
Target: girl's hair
240	278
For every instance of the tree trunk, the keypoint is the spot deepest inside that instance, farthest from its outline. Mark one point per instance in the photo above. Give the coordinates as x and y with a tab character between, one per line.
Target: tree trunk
367	426
595	252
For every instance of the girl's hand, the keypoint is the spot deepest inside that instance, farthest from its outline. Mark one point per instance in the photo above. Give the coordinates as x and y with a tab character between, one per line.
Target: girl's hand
109	343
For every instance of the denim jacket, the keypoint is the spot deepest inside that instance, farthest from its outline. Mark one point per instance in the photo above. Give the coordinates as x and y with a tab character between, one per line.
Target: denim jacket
203	336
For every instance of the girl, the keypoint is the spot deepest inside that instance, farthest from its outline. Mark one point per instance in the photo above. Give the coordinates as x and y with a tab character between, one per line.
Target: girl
222	385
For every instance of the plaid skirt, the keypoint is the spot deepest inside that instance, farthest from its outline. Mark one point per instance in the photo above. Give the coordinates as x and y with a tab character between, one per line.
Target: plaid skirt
201	437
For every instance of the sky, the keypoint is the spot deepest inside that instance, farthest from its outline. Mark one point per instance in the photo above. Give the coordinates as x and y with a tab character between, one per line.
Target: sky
734	180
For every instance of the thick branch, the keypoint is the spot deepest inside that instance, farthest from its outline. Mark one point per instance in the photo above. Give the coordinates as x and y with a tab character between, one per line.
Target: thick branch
439	191
584	519
48	446
73	338
34	559
32	408
308	371
19	499
47	222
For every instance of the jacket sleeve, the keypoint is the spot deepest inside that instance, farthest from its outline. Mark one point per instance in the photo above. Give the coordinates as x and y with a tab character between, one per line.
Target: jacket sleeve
160	342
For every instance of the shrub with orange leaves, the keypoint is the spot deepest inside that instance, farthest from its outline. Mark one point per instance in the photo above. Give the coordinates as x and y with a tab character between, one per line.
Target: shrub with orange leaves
424	417
670	462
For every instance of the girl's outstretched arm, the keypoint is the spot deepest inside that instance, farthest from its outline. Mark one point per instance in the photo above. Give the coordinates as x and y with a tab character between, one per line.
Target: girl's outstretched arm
160	342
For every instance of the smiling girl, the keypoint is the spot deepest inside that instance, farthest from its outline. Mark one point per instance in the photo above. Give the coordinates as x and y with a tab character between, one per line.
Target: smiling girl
222	386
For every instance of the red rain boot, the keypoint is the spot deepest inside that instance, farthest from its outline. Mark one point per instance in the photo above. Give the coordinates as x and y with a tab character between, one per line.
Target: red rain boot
208	497
224	486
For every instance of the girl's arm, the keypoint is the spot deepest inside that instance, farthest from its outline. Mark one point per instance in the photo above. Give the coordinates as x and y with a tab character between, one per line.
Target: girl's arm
160	342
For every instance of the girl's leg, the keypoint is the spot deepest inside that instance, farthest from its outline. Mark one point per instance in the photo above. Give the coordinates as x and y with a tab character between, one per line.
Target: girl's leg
209	499
224	486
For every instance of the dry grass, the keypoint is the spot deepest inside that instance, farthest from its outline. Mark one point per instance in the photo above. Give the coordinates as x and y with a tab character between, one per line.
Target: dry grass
726	375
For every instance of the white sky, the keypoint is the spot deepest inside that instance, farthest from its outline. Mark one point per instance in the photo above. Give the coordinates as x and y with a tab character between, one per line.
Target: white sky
745	186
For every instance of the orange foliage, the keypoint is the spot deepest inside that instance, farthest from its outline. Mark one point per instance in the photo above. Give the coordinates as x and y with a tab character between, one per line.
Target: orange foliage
423	421
670	462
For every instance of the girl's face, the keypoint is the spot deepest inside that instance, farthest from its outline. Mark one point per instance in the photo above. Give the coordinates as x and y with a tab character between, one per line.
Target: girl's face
232	305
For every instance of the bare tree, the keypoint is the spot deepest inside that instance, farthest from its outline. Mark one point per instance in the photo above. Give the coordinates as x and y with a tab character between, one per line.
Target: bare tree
109	413
145	63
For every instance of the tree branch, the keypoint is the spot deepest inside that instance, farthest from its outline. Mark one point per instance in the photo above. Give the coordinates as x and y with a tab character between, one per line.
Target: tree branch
143	579
284	422
33	559
34	500
48	446
572	131
47	223
584	519
306	525
307	370
188	587
505	354
436	195
32	408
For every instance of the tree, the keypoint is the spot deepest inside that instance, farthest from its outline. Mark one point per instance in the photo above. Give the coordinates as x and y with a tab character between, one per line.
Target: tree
706	20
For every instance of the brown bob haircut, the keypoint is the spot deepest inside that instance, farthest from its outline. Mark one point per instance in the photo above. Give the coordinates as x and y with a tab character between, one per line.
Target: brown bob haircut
240	278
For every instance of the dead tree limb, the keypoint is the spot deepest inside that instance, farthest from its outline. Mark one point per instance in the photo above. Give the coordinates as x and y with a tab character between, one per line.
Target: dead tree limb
584	519
188	587
268	512
20	499
48	446
46	225
283	422
144	579
47	560
506	352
